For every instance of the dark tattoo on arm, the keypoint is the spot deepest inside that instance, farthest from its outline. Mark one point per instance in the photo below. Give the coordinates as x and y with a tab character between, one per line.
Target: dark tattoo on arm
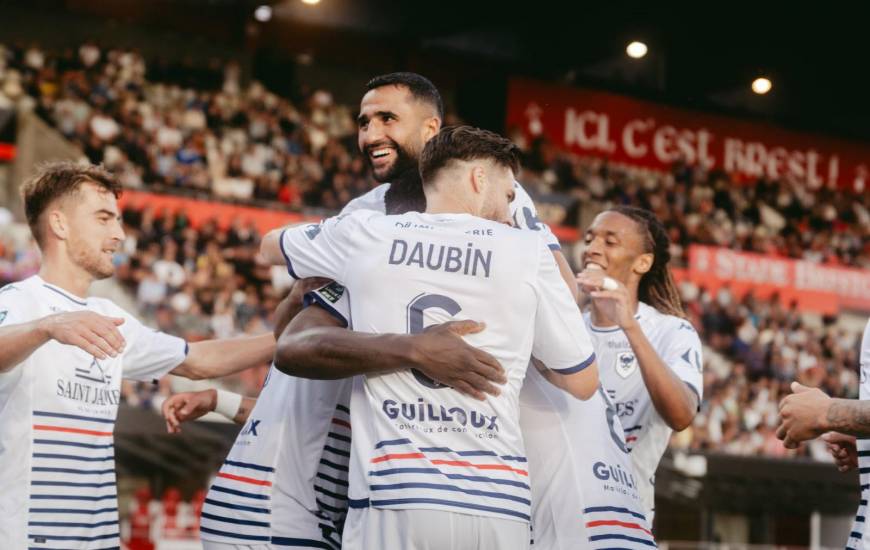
850	416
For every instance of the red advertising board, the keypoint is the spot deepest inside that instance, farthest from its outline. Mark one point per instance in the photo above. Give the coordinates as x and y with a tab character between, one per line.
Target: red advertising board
814	287
652	135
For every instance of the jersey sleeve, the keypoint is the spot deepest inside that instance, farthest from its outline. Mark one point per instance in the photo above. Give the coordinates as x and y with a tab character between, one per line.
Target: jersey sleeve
13	306
682	352
864	363
149	354
562	342
525	216
333	298
322	249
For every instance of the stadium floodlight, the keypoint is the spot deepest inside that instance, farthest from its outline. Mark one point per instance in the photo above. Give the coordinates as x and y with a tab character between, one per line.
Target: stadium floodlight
761	85
263	13
636	49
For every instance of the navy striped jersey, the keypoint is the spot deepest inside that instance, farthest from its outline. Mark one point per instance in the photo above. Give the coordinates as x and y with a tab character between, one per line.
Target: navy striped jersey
416	443
57	416
859	538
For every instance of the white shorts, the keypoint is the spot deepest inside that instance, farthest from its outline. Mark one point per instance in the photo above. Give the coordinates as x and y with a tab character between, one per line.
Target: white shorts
376	528
209	545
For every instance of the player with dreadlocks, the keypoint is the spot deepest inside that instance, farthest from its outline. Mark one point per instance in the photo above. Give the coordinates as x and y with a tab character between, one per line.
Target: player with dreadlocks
649	354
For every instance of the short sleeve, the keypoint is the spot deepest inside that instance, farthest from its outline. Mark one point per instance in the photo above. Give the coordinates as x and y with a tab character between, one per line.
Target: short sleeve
334	299
525	216
562	342
13	306
149	354
322	249
683	353
864	362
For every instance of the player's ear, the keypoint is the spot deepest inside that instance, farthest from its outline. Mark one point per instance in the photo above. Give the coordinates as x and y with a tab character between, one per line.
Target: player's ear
431	126
643	263
57	223
478	179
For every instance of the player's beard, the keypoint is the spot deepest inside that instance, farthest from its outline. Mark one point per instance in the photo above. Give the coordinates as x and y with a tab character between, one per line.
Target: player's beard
406	193
405	160
91	261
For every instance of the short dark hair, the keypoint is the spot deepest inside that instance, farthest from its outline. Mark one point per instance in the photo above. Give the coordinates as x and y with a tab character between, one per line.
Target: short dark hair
421	88
466	143
54	180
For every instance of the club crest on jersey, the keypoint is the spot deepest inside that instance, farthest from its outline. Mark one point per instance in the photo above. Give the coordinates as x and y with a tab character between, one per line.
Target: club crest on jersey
313	230
94	372
626	364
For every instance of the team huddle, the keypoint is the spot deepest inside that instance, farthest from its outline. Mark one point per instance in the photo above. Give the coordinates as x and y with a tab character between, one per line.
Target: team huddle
434	383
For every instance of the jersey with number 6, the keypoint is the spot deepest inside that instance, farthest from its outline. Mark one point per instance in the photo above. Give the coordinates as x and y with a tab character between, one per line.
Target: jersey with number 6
646	433
418	444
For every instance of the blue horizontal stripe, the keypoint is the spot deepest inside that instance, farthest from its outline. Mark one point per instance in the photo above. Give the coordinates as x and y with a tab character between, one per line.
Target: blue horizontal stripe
236	521
73	497
863	453
66	524
333	465
74	417
72	471
865	486
236	536
862	502
342	482
249	466
300	543
470	453
441	487
856	535
74	457
335	451
382	444
229	491
554	246
329	507
435	449
70	484
476	453
464	477
237	506
594	538
73	537
71	444
339	437
514	458
342	408
859	519
613	509
69	511
578	367
452	504
331	494
863	470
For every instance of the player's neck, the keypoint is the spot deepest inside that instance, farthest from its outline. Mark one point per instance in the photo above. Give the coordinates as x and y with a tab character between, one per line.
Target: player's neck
443	203
68	277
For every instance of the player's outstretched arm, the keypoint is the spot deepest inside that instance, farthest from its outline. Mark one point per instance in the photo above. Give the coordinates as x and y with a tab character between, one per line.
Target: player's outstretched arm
808	413
581	385
92	332
315	345
187	406
216	358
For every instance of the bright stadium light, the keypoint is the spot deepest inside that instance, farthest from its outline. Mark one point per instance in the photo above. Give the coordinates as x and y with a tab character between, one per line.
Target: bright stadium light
263	13
636	49
311	2
761	85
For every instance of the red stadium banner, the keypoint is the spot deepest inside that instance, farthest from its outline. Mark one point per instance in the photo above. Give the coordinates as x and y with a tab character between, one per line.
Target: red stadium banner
653	135
200	211
814	287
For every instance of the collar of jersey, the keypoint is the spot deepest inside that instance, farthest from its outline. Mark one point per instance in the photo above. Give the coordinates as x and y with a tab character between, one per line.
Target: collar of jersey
612	328
64	293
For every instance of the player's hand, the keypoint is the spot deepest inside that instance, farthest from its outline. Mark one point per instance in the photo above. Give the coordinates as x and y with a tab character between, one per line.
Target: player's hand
94	333
186	406
442	355
615	303
844	450
802	415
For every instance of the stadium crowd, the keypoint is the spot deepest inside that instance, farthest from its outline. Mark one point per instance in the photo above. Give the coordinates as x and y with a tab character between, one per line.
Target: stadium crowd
246	143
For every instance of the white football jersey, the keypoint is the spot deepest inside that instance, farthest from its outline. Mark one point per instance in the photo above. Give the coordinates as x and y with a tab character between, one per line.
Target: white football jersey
584	490
57	415
858	537
284	481
523	211
646	433
418	444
